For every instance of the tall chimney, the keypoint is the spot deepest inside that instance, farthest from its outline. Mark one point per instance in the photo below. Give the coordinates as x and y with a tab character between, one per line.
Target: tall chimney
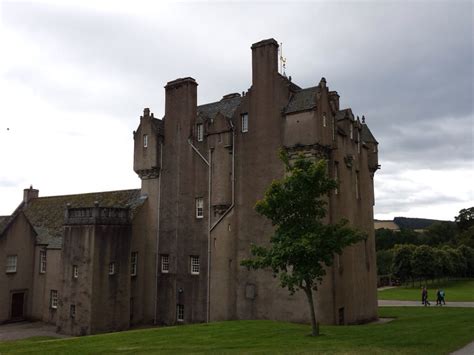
180	106
29	194
264	61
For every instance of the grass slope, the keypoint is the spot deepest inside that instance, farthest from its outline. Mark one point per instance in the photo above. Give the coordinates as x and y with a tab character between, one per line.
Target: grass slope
415	331
456	291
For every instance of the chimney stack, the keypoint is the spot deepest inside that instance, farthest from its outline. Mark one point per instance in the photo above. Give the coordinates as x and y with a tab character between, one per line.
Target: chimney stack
29	194
180	106
264	61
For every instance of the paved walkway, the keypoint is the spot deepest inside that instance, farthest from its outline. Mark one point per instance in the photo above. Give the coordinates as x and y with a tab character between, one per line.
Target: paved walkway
22	330
393	303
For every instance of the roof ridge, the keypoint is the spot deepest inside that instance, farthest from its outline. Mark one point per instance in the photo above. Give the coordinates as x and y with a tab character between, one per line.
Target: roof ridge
85	193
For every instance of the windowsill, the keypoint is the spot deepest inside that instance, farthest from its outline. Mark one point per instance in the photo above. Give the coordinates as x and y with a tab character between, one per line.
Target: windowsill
195	274
10	272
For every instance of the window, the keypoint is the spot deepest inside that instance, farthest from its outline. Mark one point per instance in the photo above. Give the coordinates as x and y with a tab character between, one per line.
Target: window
112	268
42	261
200	132
324	120
195	265
53	299
75	271
199	207
357	185
72	311
351	131
11	263
336	177
358	142
165	264
145	140
133	263
333	129
245	122
180	312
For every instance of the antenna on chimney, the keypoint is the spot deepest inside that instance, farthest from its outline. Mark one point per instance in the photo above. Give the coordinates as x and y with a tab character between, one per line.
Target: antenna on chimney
282	61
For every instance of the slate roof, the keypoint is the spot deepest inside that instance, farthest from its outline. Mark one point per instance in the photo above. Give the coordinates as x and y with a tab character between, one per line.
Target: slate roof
345	113
3	222
46	214
226	106
366	135
158	125
303	100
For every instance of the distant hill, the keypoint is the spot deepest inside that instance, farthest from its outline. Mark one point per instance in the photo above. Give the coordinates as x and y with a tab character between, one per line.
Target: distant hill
405	223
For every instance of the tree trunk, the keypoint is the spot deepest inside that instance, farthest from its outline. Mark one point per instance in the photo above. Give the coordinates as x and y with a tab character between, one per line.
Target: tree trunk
314	324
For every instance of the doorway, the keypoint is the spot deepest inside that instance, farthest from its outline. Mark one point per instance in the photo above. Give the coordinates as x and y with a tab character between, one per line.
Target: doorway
18	302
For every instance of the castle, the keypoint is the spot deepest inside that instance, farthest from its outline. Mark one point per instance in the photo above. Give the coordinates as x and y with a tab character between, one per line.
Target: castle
170	252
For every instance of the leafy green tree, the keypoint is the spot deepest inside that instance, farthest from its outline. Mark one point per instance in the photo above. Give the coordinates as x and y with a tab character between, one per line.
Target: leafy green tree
465	218
384	262
458	262
402	265
468	254
423	262
303	245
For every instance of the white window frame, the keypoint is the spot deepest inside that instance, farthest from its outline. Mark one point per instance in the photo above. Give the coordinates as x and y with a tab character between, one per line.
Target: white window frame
200	132
53	299
12	262
199	207
324	120
351	131
245	122
195	265
165	263
180	312
42	261
133	263
75	271
112	268
145	141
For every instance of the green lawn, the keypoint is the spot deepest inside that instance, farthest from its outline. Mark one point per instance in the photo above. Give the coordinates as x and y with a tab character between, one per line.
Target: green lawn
455	291
414	331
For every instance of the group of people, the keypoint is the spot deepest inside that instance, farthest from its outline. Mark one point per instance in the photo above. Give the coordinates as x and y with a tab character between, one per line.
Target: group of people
439	297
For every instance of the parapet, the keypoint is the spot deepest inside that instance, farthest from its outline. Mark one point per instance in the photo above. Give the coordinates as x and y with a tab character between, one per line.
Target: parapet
97	215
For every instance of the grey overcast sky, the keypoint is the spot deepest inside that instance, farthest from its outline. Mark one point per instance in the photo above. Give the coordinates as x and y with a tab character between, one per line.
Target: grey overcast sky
76	75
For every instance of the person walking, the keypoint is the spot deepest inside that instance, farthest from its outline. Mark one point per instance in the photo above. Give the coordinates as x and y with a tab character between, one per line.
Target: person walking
438	297
441	294
424	297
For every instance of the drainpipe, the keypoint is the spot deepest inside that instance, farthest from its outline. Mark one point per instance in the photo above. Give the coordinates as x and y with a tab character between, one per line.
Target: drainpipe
208	313
157	256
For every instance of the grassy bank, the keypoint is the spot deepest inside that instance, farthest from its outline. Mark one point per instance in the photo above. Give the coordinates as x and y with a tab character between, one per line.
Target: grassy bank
456	291
414	331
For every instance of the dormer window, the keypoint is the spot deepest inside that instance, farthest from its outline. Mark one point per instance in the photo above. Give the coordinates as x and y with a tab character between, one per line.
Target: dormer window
145	140
200	132
245	122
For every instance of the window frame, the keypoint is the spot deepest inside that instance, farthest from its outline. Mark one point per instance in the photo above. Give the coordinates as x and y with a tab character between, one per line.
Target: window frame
325	120
112	269
199	132
357	187
180	312
53	299
145	141
42	261
244	120
199	207
72	311
75	272
336	177
11	267
165	257
195	264
133	263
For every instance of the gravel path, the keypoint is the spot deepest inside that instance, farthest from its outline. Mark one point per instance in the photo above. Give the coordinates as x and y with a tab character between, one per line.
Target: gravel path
394	303
22	330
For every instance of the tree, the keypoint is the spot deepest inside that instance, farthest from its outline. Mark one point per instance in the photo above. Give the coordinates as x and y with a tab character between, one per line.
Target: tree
384	262
423	262
465	219
402	257
302	245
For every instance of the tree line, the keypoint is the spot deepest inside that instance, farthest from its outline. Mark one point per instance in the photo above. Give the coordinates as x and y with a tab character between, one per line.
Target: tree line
444	250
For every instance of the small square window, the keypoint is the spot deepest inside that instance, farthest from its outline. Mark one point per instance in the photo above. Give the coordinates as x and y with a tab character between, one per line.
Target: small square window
11	263
53	300
145	140
245	122
200	132
75	271
199	207
165	264
195	265
72	311
42	264
180	312
112	268
133	263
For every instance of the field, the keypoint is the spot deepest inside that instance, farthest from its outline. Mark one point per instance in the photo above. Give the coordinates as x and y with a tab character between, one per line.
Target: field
456	291
414	331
